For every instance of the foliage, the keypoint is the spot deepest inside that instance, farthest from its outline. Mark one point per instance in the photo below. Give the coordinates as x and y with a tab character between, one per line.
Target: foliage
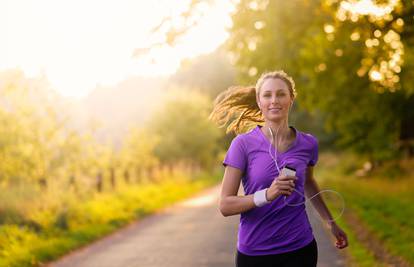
68	224
184	129
381	201
211	73
331	66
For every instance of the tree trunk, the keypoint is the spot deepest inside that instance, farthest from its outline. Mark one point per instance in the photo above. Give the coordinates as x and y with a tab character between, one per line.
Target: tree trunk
99	182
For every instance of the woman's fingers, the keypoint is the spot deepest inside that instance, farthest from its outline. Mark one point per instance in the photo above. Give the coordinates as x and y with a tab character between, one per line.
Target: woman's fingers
289	182
286	187
285	192
287	178
279	184
283	185
341	243
342	240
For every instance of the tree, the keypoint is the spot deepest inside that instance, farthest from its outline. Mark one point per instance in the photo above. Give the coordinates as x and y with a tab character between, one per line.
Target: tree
184	130
328	58
211	73
32	132
137	151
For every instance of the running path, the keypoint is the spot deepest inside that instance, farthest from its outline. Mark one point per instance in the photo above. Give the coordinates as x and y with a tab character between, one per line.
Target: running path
190	233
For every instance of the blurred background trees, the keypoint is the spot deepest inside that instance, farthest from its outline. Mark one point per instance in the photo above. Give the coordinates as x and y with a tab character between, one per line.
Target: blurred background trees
351	64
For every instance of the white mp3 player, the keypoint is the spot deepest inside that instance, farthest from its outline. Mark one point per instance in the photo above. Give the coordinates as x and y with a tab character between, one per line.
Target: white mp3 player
288	171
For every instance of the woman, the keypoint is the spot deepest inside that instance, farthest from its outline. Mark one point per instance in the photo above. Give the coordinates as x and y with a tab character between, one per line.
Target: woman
274	228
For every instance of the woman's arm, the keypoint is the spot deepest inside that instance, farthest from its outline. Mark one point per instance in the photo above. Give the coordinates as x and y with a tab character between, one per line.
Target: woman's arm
230	202
312	188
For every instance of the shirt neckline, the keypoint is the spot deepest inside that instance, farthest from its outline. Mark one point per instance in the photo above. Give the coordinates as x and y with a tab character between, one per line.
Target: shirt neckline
258	128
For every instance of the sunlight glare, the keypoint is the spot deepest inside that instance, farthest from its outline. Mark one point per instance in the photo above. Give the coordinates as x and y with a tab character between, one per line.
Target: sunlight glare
78	45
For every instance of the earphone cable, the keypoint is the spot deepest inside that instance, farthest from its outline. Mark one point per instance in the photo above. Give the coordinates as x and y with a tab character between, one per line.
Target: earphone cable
310	198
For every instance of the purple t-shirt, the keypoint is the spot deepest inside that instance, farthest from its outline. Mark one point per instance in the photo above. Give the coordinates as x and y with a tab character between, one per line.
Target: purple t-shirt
274	228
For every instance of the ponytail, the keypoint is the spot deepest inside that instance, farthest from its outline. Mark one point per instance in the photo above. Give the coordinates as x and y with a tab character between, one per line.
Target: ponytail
238	106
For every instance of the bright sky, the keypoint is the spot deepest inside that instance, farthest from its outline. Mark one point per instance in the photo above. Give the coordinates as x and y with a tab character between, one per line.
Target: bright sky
79	44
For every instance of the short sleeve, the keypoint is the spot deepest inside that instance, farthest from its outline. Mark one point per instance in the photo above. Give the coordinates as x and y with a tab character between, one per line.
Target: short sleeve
314	152
236	154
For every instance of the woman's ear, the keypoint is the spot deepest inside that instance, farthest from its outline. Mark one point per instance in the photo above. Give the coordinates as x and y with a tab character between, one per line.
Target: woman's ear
258	103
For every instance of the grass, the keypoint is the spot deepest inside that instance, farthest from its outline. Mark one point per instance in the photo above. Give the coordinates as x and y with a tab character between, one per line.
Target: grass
382	205
69	222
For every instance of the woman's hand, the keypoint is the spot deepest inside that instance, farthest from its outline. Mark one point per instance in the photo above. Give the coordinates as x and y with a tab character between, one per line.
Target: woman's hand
341	238
282	185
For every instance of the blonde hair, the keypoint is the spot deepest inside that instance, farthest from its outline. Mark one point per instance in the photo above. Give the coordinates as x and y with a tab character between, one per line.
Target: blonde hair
238	105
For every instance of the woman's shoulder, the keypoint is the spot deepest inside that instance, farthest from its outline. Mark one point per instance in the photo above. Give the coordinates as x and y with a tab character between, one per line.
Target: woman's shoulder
247	138
308	138
249	134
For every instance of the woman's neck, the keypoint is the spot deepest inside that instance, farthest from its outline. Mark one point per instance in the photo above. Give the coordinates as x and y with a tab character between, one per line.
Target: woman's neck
280	128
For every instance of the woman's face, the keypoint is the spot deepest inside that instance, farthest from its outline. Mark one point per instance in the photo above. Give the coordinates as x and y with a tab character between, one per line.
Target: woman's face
274	99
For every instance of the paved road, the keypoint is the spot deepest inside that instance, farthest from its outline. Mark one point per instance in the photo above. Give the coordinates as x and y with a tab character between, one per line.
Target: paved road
190	233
